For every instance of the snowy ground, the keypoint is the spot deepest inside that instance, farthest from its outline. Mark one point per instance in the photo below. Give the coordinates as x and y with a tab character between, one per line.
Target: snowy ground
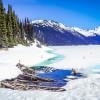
82	89
28	56
80	57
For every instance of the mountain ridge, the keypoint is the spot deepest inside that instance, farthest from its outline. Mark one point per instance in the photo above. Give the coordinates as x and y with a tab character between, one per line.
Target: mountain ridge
51	32
95	30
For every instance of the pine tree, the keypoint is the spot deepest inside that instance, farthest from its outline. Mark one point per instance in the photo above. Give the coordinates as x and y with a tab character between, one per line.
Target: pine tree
15	28
22	30
9	26
3	30
12	30
28	30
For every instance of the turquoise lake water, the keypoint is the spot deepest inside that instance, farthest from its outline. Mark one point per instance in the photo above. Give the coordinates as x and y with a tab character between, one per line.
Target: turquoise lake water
56	58
94	70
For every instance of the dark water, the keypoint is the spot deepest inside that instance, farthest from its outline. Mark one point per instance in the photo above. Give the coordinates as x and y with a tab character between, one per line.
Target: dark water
59	76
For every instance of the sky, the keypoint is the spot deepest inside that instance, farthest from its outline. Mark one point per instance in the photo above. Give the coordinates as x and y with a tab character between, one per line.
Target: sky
78	13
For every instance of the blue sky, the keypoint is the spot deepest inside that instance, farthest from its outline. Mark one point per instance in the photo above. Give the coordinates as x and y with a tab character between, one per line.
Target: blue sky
79	13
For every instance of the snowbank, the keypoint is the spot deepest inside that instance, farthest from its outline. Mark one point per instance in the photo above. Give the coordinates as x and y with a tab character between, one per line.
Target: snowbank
82	89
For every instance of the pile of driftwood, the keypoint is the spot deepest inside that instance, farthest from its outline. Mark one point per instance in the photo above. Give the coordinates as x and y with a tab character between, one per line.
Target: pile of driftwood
29	80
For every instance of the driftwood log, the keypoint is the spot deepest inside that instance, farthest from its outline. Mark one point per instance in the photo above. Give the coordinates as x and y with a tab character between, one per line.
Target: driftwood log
25	69
31	73
34	78
29	80
24	86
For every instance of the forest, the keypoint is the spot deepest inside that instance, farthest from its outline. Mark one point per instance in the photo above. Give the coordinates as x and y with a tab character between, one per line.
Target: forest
14	31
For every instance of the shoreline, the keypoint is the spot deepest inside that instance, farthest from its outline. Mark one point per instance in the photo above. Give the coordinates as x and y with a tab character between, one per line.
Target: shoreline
28	56
57	57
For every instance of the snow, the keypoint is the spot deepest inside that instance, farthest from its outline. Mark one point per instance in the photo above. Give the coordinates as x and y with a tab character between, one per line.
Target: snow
96	30
83	32
50	23
79	57
87	33
82	89
28	56
37	21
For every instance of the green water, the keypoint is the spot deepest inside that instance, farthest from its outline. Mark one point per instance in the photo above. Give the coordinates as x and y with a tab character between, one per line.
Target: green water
57	57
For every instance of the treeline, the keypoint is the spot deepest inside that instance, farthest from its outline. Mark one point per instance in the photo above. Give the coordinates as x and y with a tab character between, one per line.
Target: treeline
13	31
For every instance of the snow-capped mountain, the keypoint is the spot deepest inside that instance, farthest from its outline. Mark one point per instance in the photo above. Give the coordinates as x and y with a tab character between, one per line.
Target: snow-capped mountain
87	33
53	33
95	31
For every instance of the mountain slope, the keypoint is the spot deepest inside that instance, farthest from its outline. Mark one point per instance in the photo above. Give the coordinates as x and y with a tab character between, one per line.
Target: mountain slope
50	32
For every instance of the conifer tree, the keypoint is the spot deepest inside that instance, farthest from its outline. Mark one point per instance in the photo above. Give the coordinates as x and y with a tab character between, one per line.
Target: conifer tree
9	26
15	28
12	30
3	30
22	30
28	30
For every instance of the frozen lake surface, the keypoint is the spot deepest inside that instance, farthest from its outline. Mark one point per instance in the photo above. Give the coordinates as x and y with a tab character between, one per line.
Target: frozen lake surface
83	58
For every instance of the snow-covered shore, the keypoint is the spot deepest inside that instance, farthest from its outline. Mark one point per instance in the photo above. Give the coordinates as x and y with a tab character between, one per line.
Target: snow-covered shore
80	57
82	89
28	56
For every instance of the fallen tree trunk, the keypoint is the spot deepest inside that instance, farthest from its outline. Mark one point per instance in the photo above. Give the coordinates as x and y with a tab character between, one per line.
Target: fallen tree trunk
56	89
31	74
25	69
6	85
34	78
29	80
40	78
19	86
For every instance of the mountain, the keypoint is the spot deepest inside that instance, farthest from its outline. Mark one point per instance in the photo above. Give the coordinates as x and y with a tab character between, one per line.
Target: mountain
50	32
